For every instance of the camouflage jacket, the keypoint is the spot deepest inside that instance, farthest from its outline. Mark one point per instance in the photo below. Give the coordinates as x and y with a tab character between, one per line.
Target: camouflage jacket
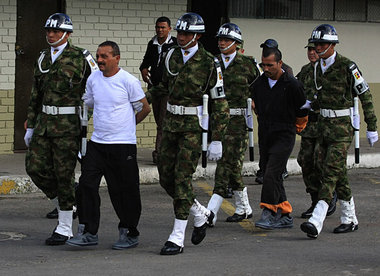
337	93
194	79
237	79
63	85
306	77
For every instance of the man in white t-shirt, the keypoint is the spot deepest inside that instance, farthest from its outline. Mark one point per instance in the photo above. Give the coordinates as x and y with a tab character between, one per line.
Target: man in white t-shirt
119	104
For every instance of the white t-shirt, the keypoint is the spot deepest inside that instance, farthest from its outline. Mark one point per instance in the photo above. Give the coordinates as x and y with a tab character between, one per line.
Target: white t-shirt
111	98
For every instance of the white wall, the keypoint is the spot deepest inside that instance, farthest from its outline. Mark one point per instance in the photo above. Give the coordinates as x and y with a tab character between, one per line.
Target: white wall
7	43
358	41
130	23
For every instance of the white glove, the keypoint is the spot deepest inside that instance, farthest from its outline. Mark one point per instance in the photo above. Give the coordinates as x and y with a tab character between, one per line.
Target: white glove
372	137
307	105
28	136
214	152
356	121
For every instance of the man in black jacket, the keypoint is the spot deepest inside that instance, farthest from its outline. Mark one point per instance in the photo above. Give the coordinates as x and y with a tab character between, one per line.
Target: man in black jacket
271	43
278	98
151	71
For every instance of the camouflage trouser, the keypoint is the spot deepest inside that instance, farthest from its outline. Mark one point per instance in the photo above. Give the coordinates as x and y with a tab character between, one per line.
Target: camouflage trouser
228	170
306	160
50	163
330	159
177	161
159	112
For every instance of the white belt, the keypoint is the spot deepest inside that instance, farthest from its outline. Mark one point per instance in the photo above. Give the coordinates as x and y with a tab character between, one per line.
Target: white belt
237	111
181	110
329	113
58	110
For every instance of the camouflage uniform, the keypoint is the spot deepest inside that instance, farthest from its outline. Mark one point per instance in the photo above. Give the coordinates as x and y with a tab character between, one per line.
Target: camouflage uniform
181	141
335	134
237	78
309	134
51	157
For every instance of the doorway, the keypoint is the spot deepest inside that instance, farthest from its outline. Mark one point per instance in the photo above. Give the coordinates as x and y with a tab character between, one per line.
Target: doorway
30	40
214	14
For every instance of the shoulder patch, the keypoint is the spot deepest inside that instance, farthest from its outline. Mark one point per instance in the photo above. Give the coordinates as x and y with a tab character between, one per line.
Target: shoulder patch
360	85
90	60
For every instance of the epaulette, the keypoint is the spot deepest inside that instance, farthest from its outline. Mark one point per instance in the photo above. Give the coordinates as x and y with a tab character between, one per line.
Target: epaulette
90	60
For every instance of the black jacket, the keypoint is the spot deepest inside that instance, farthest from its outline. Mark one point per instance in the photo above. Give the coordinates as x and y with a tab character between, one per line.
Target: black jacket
154	61
281	104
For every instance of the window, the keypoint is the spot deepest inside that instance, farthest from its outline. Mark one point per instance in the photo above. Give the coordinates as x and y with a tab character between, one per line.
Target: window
373	11
350	10
340	10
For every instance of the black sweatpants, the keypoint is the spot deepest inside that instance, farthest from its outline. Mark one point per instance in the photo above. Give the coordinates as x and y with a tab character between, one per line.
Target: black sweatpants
118	164
275	144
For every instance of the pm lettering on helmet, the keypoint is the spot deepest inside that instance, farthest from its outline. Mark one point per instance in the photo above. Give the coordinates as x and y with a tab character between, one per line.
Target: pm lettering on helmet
181	25
316	34
52	23
224	31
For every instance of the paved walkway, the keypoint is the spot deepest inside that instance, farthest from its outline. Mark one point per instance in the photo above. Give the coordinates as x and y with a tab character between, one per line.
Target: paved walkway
14	180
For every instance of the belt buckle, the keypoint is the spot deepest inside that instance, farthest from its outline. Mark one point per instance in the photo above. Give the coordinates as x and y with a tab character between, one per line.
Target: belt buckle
52	110
176	109
181	110
172	109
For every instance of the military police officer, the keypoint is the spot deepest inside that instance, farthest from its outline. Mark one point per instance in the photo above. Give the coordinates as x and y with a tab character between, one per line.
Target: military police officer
309	137
191	72
53	124
337	82
239	72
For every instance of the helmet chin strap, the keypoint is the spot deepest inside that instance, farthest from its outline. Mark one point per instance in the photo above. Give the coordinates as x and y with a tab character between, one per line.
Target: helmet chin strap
228	47
191	41
325	51
58	41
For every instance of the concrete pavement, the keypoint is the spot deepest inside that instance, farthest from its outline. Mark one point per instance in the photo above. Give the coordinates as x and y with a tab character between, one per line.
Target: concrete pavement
14	180
228	249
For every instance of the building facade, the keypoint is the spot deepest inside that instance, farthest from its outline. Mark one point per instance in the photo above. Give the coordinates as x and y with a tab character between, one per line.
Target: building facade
130	23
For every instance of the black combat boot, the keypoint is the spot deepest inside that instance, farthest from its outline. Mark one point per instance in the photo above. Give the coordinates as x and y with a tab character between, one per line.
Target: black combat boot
314	201
332	205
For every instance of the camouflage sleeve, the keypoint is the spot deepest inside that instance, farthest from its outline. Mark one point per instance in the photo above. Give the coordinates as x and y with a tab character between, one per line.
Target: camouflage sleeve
159	90
299	98
35	102
368	110
220	114
301	74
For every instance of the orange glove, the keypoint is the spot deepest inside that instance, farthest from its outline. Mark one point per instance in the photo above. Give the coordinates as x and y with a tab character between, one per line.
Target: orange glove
301	123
